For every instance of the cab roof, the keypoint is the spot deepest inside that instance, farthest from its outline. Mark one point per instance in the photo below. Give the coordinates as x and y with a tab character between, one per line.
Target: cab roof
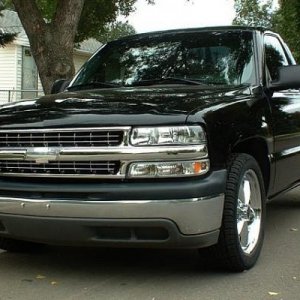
197	29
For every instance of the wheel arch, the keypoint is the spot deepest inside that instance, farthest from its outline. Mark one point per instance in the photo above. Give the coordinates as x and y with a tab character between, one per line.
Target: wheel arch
258	149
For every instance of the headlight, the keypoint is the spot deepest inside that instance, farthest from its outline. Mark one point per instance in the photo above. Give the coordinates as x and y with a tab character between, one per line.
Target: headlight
167	135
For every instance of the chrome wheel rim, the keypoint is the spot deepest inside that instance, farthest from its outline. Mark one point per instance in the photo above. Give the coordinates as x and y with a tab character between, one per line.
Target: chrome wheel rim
249	211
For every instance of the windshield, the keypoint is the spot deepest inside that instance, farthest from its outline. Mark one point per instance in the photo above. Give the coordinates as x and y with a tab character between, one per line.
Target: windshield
209	58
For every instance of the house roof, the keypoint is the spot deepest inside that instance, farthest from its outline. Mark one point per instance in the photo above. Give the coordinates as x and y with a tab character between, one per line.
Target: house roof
10	22
88	46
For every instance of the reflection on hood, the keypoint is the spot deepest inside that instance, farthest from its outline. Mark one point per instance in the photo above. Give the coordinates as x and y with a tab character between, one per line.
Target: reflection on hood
112	107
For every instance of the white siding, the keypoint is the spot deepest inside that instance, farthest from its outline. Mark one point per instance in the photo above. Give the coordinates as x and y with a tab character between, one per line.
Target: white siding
79	60
11	71
40	87
8	76
19	67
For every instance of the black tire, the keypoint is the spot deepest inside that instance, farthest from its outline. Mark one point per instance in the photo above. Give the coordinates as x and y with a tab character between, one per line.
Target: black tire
19	246
230	251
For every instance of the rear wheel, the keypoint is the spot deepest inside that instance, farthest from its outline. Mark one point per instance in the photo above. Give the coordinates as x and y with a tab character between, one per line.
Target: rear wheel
242	231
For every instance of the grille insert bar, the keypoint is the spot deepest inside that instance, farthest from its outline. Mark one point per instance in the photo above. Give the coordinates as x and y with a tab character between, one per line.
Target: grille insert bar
95	138
60	168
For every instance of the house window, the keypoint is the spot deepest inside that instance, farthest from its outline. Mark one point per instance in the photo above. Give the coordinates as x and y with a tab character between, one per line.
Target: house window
29	74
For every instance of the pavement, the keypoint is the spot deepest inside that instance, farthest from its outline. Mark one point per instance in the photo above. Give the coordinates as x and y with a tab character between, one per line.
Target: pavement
76	273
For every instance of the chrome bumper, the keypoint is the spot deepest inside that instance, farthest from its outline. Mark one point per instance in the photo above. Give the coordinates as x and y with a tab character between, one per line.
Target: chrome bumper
191	216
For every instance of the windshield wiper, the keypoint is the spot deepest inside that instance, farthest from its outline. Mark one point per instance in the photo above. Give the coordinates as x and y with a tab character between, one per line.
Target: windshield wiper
166	80
92	85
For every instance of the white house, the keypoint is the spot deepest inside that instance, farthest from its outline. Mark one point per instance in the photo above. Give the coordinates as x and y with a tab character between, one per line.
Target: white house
18	73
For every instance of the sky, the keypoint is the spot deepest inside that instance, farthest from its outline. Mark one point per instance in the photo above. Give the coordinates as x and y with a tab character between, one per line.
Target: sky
172	14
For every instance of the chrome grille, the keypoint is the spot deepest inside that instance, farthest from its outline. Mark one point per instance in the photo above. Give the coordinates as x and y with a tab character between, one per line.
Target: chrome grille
63	168
94	152
63	138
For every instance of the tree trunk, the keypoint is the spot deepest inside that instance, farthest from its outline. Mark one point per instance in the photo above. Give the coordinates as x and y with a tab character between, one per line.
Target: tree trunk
51	43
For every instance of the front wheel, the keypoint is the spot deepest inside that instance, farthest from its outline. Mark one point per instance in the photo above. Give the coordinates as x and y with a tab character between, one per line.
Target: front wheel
242	231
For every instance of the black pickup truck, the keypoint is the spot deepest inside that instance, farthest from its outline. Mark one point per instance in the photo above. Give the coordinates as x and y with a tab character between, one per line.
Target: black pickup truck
164	139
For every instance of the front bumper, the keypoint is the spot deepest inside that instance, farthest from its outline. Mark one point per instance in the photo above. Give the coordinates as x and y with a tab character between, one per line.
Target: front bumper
178	223
113	219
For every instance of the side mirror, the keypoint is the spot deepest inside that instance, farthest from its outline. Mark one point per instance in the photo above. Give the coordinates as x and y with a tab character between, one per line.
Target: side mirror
289	78
59	86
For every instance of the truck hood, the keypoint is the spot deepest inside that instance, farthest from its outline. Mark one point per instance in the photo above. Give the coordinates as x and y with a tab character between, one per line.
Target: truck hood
116	107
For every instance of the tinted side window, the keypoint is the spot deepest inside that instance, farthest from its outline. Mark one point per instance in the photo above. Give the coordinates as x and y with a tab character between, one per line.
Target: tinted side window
275	56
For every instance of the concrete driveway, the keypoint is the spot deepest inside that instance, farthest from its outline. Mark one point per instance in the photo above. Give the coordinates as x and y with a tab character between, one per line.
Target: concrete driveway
68	273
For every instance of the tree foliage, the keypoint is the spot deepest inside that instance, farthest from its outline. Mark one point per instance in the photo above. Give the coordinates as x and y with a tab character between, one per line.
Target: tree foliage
285	20
5	4
253	13
287	23
114	31
95	15
6	38
96	18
